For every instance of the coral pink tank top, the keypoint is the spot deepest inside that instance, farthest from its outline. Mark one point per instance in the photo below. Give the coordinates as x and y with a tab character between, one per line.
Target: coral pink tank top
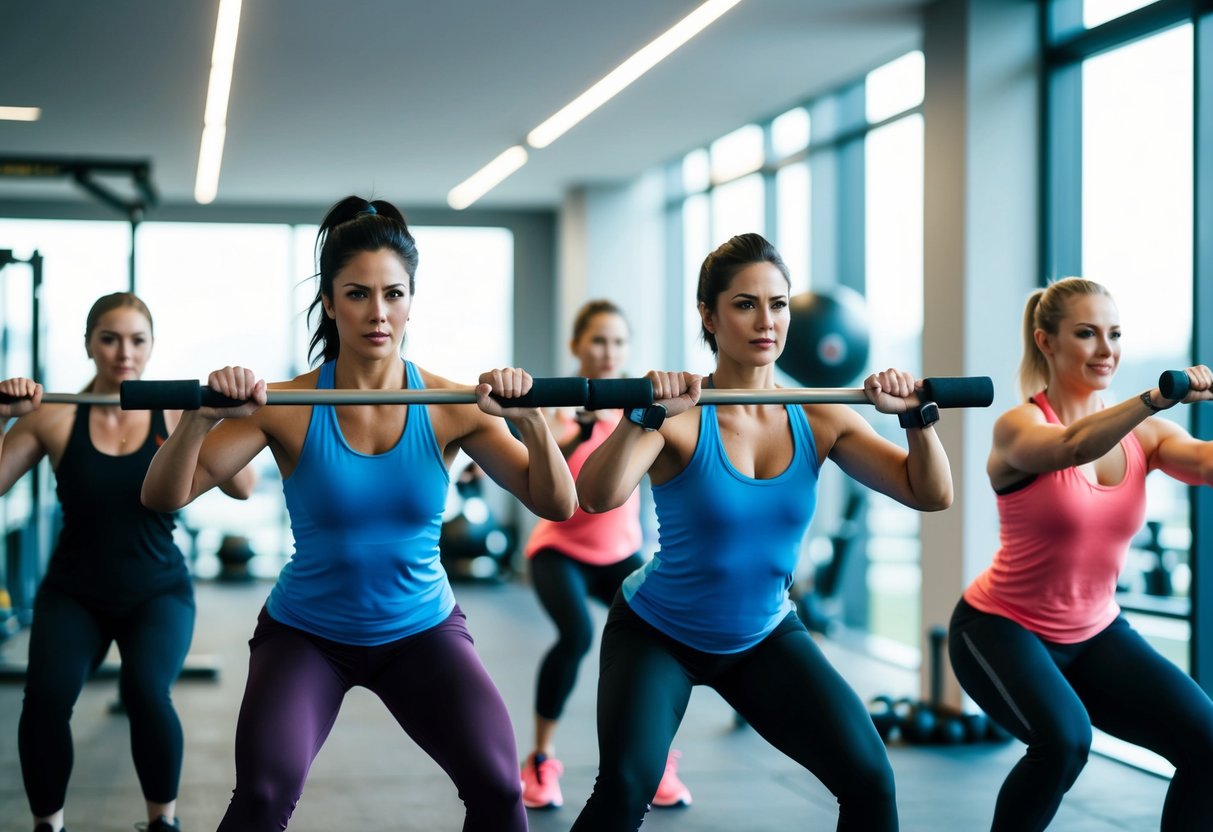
597	539
1063	542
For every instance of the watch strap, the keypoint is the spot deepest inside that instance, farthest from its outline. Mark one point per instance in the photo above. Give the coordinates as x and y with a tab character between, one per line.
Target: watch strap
924	414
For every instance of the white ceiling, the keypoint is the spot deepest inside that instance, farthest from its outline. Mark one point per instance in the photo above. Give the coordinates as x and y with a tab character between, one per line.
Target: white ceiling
404	98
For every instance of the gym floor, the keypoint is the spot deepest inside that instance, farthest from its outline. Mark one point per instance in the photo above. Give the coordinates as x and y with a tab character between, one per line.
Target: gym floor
370	775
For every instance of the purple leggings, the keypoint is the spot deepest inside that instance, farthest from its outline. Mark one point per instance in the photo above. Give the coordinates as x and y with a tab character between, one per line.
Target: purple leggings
432	682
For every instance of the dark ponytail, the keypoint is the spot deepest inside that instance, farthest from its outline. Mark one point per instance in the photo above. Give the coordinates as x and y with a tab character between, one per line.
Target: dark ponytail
350	227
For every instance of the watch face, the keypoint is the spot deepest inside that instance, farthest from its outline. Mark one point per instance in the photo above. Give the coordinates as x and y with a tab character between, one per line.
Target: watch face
925	414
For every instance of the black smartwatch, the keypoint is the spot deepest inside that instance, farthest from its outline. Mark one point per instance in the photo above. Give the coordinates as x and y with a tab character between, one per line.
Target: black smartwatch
649	418
925	414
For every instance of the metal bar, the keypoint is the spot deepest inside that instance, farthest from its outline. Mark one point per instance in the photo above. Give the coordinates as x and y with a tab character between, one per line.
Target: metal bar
82	170
50	166
785	395
102	193
467	395
81	398
454	395
573	391
450	395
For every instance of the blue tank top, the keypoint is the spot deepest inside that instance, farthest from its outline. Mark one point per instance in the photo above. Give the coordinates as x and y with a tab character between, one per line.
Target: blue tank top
366	566
728	544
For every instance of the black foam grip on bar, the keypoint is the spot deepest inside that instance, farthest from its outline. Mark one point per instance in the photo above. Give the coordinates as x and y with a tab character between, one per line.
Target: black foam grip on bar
959	391
5	398
185	394
210	398
619	393
570	391
1174	384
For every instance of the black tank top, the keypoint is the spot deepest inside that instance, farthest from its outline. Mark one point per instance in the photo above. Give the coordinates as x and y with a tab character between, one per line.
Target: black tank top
111	550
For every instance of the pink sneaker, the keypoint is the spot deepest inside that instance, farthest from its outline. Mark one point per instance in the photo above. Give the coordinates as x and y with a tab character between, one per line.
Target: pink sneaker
671	791
541	782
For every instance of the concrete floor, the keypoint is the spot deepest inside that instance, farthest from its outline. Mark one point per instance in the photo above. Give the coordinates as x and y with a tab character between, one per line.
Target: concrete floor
370	776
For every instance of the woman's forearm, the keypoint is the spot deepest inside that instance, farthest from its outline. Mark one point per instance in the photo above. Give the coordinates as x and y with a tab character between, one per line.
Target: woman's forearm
169	483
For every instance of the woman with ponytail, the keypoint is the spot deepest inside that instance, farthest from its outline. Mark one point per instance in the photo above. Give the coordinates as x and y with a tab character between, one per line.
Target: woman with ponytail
364	600
1038	640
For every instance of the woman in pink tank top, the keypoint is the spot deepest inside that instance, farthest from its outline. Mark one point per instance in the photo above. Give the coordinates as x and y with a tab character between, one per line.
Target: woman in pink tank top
586	556
1038	640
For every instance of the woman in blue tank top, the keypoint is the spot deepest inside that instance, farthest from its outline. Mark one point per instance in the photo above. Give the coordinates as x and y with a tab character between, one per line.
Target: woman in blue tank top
735	488
364	599
115	575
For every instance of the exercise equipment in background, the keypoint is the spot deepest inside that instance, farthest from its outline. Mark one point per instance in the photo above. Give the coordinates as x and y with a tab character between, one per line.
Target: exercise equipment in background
827	340
816	603
930	722
473	544
234	555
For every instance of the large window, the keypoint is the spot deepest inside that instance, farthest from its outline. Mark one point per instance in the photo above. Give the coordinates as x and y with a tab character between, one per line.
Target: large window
218	296
1095	12
460	325
696	243
1124	186
1137	176
737	208
893	258
793	231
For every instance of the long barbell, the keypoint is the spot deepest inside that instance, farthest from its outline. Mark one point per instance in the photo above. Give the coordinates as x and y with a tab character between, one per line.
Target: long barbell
574	391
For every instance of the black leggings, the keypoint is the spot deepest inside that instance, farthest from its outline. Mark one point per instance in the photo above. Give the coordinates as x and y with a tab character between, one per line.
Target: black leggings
1049	695
563	585
68	639
785	689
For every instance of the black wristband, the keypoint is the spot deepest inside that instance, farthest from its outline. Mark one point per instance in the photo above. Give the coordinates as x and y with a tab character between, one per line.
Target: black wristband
925	414
649	418
1145	398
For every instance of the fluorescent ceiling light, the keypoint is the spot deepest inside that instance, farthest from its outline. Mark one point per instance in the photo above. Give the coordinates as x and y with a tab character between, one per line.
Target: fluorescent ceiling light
206	186
214	125
20	113
487	178
628	71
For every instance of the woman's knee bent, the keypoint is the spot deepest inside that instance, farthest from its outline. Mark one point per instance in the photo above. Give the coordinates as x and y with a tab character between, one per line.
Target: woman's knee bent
1062	748
869	782
264	805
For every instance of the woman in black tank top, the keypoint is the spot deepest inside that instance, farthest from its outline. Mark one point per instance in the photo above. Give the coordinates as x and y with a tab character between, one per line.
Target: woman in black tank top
115	574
